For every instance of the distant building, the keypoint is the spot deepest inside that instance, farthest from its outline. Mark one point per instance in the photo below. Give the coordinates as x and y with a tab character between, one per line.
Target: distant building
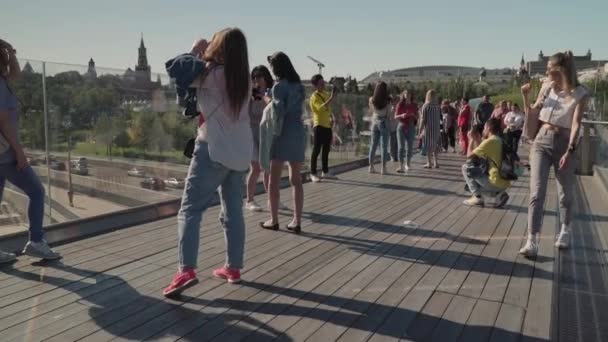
539	67
441	73
27	68
138	84
91	71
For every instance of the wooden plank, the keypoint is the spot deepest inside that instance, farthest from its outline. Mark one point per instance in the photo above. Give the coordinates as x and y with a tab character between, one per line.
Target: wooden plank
454	319
537	323
480	324
508	324
367	224
22	311
427	319
203	290
518	290
373	275
475	282
55	322
365	299
355	274
485	223
412	272
288	318
417	292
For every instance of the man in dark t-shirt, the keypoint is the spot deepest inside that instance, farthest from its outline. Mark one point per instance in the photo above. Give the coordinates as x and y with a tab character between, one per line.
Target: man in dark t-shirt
484	111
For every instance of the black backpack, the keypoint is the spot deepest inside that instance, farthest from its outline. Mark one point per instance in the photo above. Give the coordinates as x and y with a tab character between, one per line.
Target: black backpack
508	166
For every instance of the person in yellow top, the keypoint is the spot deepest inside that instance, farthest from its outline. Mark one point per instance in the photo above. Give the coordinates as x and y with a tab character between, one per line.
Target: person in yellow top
323	119
491	184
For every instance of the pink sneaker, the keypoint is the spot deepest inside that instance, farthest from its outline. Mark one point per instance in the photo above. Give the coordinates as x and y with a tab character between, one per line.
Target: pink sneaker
233	275
181	281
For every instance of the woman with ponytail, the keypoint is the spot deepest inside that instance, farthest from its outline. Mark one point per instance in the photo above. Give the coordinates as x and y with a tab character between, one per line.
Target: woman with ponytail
559	107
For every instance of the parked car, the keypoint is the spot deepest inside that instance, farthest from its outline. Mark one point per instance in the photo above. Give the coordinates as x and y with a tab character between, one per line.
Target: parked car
135	172
153	184
82	162
80	170
57	165
174	183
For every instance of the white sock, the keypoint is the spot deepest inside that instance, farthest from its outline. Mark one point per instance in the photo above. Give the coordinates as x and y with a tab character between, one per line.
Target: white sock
532	238
565	228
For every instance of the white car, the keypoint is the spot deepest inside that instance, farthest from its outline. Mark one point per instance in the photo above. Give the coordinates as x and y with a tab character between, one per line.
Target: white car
174	183
134	172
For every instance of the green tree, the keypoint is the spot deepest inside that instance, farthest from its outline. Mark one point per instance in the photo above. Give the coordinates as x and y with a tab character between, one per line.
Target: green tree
104	132
122	139
158	138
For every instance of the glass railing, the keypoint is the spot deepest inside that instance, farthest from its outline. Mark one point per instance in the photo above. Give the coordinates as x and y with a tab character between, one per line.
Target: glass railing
103	140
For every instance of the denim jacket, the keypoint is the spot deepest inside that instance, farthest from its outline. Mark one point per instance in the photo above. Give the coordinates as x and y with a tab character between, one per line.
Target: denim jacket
185	68
286	100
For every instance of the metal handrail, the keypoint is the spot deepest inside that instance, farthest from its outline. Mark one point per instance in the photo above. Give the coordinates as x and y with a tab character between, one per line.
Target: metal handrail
592	122
586	167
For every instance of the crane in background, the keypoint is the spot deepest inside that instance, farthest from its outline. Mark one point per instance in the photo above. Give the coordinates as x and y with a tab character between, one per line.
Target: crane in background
319	64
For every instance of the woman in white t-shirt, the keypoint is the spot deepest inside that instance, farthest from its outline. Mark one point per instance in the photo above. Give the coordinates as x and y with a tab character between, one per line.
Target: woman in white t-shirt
514	123
560	106
222	154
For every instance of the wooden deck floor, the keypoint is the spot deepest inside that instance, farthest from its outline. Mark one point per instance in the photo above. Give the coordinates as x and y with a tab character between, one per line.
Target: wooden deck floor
356	273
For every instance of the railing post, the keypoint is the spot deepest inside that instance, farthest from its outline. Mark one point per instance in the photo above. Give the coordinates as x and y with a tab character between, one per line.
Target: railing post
46	139
585	151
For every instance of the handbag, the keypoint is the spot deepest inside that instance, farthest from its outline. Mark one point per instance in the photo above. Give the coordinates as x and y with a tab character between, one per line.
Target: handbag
189	148
532	121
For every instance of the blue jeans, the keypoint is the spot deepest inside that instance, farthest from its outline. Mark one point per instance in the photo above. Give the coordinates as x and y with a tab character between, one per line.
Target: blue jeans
480	186
204	178
27	180
406	135
379	134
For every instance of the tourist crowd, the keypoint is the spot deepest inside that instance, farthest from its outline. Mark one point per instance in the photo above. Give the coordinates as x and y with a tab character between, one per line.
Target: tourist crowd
252	125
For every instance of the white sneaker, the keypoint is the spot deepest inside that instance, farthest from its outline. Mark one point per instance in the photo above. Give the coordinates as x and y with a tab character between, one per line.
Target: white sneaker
40	250
383	170
563	239
474	201
328	175
372	169
315	178
407	167
5	257
529	250
253	206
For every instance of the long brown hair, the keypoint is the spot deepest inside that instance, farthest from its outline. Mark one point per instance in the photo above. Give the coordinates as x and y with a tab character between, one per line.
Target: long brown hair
380	99
229	47
564	61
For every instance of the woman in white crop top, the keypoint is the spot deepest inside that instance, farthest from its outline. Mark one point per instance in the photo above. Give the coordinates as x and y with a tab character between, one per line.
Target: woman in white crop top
559	107
221	157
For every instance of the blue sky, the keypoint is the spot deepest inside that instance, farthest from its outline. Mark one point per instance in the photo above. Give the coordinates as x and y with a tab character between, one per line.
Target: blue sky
351	37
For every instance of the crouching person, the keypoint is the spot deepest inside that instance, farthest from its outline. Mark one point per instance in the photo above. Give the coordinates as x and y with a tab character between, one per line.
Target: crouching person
481	172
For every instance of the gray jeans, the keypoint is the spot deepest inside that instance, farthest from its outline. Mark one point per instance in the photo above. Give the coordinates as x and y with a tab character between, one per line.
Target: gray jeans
547	150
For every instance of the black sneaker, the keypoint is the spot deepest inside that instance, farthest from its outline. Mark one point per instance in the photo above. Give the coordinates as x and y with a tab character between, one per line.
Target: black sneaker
501	200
